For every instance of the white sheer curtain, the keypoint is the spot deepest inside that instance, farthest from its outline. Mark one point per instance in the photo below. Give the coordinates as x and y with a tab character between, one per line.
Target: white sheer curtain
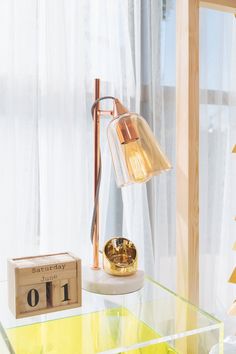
50	52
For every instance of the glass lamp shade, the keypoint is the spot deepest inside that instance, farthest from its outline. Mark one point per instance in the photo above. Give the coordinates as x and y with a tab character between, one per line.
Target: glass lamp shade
135	151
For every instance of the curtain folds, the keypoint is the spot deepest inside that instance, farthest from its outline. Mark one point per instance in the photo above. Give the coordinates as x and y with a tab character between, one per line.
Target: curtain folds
50	53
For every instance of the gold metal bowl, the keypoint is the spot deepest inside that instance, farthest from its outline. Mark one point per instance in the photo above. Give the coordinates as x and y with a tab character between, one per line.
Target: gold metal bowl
120	257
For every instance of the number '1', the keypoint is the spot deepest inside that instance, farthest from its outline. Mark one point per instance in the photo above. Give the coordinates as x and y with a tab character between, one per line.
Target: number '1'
66	292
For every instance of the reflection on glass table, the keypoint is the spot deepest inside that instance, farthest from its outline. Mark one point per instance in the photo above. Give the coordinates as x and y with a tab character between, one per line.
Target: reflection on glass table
151	320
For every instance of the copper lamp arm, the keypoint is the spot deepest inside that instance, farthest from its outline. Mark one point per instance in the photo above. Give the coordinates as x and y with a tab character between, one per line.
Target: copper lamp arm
117	110
96	112
101	99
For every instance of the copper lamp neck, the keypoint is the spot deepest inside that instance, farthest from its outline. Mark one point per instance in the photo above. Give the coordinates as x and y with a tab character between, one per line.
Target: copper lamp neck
119	109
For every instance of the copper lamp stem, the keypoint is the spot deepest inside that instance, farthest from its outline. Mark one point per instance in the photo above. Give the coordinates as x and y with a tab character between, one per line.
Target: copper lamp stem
96	174
97	113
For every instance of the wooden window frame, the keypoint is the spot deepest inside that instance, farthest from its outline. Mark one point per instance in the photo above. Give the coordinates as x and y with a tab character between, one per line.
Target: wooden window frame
187	141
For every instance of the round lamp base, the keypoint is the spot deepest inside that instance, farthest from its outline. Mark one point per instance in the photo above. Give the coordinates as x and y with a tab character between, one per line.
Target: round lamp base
99	282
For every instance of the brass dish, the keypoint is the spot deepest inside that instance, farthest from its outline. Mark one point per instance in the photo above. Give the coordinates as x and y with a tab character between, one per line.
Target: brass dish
120	257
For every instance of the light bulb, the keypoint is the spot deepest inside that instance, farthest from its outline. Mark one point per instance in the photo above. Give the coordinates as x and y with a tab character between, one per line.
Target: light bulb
138	164
136	154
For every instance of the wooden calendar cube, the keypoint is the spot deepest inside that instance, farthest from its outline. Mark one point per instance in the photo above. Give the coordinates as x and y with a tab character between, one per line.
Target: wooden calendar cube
32	297
44	284
64	292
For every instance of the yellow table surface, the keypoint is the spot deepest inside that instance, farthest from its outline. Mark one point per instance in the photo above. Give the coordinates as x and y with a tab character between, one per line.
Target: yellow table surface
86	334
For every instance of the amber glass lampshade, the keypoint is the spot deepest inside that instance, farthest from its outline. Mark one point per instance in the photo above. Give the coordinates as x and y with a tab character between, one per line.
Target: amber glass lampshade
135	152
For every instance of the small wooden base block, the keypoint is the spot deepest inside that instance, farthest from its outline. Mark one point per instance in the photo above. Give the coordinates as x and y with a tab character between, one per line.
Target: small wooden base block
232	310
232	278
44	284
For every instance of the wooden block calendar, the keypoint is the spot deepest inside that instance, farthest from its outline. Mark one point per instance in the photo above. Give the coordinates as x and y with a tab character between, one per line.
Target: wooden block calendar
43	284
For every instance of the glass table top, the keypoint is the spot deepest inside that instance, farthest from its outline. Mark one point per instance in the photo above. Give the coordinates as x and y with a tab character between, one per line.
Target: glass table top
151	320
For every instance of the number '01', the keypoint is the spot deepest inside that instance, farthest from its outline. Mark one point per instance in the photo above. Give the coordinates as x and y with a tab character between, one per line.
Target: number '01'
33	296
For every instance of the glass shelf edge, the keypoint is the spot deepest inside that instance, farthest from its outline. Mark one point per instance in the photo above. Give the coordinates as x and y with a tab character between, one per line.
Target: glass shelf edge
197	309
164	339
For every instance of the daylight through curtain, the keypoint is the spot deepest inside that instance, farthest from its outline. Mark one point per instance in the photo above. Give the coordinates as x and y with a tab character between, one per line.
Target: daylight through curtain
50	53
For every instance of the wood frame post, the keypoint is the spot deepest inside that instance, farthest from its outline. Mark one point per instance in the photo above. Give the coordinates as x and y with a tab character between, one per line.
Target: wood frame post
221	5
187	149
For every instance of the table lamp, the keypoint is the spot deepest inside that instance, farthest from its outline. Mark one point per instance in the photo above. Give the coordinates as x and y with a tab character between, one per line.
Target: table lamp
136	157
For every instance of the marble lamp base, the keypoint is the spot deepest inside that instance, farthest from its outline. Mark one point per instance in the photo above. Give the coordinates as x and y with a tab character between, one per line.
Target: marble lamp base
99	282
